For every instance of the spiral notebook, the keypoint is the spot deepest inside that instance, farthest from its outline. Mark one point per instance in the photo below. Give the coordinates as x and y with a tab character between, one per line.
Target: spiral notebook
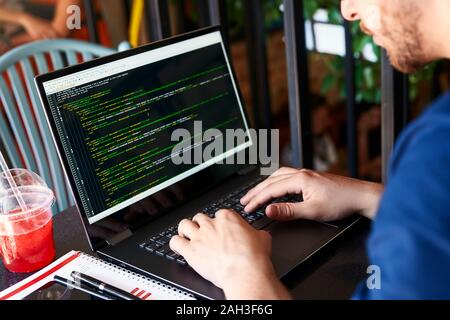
142	287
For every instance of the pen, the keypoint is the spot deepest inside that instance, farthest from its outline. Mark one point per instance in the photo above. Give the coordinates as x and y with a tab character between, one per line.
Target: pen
74	285
102	287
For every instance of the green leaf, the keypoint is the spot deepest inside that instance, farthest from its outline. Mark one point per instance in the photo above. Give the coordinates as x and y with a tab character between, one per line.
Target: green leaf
360	43
335	16
368	76
342	92
359	97
327	83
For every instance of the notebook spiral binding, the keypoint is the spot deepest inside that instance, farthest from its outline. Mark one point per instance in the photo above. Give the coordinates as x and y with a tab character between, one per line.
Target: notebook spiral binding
139	278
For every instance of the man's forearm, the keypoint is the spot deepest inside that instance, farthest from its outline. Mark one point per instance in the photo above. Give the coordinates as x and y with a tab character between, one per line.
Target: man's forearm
261	284
268	289
355	196
369	198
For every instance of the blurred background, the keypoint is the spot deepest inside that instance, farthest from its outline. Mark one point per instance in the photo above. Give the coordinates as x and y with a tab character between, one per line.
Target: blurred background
339	82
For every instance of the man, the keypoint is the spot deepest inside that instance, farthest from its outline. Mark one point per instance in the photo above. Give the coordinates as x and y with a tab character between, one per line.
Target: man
410	237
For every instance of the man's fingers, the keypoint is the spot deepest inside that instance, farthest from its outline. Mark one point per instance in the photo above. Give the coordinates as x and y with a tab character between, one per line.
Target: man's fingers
180	245
281	211
187	228
273	190
291	211
201	219
255	190
227	214
284	172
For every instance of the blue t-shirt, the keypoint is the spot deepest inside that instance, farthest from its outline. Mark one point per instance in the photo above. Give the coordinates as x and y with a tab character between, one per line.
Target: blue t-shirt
410	237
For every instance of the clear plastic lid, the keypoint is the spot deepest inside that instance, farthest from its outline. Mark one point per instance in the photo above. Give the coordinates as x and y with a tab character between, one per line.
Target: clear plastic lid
22	177
34	191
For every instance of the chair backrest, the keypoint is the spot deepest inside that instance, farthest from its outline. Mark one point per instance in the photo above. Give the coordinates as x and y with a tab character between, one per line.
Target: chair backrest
23	128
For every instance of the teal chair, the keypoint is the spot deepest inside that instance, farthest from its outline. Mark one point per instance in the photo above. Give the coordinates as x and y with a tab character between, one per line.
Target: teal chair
23	129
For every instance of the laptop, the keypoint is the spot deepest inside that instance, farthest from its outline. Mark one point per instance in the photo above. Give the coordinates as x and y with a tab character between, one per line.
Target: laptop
112	121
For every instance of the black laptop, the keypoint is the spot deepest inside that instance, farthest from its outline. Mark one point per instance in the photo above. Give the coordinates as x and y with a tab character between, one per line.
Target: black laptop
112	121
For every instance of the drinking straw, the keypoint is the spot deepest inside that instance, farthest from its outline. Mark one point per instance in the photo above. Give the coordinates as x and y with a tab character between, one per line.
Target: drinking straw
12	183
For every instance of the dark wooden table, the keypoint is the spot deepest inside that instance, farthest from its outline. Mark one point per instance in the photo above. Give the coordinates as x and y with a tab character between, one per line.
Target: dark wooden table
332	274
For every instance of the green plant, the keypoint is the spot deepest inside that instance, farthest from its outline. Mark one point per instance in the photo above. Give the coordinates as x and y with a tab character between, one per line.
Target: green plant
236	15
367	73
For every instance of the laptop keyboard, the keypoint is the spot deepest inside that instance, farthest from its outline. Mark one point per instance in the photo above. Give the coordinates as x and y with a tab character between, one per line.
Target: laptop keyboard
159	243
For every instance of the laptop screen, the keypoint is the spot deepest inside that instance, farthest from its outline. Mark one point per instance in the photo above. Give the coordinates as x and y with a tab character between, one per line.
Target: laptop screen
115	120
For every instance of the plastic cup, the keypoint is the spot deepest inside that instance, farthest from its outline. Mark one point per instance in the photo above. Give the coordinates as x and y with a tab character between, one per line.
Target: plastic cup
26	236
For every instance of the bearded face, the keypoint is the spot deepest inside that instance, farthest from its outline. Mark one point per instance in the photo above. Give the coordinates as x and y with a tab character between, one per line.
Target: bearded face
396	26
401	36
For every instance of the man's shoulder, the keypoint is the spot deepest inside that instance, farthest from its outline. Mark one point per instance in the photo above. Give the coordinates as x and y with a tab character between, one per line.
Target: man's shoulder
440	108
410	235
429	132
421	159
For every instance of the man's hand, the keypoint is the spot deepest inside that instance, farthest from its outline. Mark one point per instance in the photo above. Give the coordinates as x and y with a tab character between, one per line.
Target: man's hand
326	197
231	254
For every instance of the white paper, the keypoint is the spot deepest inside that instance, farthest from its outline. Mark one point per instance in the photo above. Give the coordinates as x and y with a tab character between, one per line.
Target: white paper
143	287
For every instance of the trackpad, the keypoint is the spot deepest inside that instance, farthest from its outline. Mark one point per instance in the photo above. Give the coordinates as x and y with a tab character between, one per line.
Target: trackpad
295	241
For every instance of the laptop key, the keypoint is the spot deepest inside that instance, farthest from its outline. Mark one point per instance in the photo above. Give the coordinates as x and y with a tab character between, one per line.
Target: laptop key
253	216
152	247
172	255
159	243
143	244
242	212
181	260
169	235
162	241
162	250
228	204
249	219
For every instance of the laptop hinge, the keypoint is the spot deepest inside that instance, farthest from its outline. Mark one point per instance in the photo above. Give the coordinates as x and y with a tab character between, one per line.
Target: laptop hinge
116	239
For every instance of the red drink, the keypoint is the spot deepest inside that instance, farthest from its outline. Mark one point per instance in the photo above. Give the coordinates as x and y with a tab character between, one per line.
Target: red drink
26	236
29	251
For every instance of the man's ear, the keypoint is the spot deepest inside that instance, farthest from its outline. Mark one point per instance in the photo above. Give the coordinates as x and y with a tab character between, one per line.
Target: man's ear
372	17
